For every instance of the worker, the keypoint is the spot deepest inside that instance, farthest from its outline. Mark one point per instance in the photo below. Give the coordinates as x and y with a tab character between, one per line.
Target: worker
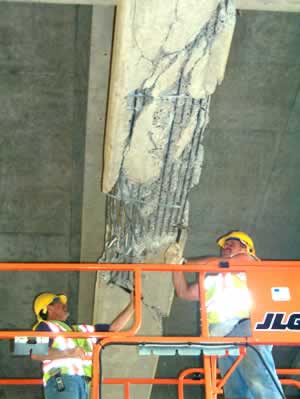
67	368
228	305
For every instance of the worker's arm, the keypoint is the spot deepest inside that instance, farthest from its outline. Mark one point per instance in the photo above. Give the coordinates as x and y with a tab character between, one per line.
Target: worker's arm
184	290
202	261
121	320
54	354
189	292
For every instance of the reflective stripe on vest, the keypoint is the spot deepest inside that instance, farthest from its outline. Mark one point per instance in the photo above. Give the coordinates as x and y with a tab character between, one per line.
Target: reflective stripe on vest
70	366
227	297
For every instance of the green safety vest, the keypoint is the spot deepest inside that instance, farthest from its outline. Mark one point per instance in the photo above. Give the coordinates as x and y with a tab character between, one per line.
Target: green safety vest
69	366
227	297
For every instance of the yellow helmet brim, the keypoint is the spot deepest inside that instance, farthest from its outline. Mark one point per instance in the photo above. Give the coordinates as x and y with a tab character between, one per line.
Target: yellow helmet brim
240	236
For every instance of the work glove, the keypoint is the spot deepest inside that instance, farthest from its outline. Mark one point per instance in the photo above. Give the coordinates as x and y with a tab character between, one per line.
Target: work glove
173	255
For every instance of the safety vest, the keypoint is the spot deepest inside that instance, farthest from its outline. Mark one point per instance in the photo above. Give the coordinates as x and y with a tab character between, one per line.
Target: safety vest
69	366
227	297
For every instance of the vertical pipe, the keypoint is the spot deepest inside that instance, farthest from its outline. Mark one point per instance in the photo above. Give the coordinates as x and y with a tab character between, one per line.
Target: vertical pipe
127	390
180	388
137	302
202	304
213	362
95	376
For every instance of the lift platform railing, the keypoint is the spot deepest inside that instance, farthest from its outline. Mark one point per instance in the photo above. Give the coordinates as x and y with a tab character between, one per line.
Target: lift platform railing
180	382
275	319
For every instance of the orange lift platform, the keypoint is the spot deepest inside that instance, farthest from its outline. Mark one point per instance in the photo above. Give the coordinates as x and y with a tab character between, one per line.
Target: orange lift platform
274	318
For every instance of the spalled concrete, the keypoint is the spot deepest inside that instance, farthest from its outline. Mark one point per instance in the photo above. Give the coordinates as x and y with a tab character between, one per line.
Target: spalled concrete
167	62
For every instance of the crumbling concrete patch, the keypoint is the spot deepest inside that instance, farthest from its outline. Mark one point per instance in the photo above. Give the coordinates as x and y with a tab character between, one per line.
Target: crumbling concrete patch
162	121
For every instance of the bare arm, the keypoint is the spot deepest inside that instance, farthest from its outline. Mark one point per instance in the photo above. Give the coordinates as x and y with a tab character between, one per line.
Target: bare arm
54	354
189	292
121	320
184	290
203	261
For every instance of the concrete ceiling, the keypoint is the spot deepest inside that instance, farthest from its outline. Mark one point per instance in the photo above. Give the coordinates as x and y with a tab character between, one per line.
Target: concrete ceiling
261	5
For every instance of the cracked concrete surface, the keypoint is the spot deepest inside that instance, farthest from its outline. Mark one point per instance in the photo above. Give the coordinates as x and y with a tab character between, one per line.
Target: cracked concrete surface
158	112
162	112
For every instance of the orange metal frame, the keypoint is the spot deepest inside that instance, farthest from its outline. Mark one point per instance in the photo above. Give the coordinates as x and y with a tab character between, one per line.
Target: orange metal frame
181	381
261	278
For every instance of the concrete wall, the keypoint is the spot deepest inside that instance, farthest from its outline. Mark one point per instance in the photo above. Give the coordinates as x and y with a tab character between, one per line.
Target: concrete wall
250	178
44	55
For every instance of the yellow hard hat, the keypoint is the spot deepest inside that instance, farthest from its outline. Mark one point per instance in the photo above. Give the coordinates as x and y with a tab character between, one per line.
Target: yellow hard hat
238	235
42	301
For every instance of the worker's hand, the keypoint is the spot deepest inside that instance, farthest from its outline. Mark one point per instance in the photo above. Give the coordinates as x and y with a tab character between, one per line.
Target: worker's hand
173	255
76	352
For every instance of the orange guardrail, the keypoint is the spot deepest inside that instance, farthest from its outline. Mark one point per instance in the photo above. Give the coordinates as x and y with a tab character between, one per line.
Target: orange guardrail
181	381
273	321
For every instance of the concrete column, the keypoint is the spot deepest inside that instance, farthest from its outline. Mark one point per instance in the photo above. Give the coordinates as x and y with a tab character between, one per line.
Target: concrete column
93	209
168	58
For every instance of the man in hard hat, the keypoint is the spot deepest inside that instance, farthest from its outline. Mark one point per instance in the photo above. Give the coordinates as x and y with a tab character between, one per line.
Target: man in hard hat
228	305
67	368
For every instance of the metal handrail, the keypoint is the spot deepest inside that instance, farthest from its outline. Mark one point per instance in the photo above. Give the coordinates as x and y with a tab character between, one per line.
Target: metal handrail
129	335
